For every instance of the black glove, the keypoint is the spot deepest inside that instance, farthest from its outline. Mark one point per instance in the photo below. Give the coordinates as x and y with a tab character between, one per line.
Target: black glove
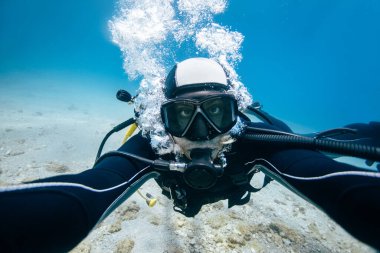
366	134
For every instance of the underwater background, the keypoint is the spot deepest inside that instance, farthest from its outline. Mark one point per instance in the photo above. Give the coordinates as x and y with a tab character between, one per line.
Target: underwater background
313	63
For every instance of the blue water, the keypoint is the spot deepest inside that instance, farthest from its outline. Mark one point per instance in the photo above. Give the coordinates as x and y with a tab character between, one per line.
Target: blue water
312	63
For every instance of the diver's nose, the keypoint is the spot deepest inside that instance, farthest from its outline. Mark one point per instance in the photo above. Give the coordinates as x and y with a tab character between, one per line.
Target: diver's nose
198	129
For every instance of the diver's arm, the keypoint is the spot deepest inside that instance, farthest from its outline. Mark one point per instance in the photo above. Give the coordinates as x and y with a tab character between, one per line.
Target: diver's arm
55	214
349	195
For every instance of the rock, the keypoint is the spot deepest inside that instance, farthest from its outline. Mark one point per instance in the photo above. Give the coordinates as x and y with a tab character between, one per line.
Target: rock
286	241
275	228
313	228
58	168
247	237
180	223
217	221
21	141
173	249
279	202
244	228
28	179
131	211
234	215
218	205
82	248
125	246
235	240
218	239
331	227
154	220
14	153
116	227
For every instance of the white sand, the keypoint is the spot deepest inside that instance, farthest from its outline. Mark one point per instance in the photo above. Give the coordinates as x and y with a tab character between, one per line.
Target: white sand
45	133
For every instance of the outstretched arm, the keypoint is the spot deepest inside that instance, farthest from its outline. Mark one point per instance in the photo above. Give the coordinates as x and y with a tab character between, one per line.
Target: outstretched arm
348	194
55	214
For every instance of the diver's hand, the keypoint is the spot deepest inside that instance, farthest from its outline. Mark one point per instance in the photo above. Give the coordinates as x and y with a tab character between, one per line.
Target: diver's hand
368	134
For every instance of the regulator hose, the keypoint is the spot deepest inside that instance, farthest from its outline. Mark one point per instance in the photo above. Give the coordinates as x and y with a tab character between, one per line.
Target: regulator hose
114	130
290	140
158	164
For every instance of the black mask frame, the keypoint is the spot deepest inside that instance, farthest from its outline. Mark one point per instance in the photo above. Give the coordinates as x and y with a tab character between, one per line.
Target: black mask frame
179	114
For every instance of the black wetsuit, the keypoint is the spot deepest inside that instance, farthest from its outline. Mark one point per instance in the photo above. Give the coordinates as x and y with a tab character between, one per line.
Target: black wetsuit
55	214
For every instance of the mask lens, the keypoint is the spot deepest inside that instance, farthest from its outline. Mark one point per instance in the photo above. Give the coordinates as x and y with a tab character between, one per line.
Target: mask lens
221	111
177	116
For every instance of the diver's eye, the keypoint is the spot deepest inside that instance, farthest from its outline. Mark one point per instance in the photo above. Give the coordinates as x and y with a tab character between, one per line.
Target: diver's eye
213	107
185	113
214	110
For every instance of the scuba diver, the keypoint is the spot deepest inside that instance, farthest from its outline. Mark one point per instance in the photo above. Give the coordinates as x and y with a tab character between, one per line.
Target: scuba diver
209	151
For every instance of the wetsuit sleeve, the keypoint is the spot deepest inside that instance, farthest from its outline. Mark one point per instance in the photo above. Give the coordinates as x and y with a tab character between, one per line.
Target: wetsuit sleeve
55	214
348	194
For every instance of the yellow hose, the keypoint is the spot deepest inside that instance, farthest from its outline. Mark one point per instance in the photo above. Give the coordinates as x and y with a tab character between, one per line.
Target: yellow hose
150	200
129	132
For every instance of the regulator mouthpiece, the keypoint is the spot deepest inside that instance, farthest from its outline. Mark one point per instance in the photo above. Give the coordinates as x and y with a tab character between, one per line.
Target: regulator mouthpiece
201	173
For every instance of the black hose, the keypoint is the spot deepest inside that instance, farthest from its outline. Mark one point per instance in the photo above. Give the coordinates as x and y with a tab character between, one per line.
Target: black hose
160	165
289	140
256	130
114	130
125	155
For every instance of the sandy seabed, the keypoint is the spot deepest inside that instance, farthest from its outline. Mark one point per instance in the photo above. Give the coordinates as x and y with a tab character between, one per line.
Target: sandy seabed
53	130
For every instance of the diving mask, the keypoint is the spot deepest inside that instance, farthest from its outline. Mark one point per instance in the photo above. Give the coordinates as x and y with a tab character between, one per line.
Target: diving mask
200	119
